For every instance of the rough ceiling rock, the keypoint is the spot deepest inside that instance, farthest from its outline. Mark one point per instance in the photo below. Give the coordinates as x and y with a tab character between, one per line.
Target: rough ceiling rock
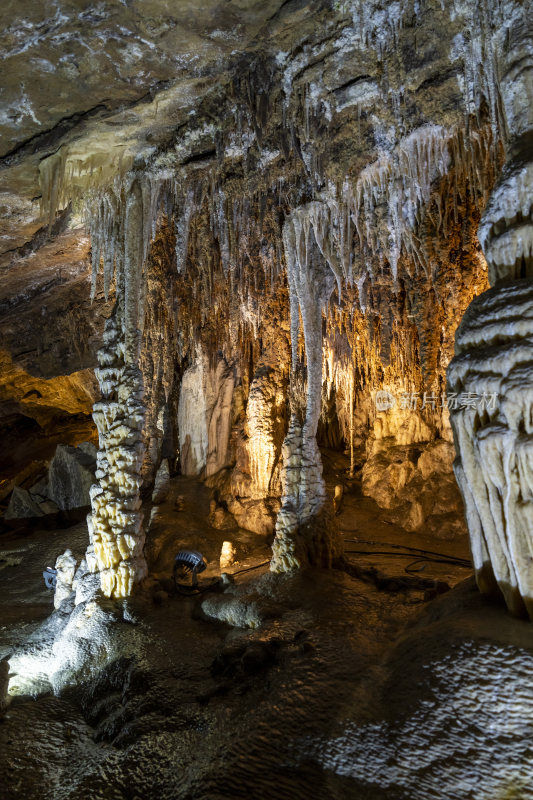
117	76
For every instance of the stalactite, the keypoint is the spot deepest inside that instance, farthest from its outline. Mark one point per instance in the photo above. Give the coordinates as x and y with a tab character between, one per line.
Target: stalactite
372	230
300	537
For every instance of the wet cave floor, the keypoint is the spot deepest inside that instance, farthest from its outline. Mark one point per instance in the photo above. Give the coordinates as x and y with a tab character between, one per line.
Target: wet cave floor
363	682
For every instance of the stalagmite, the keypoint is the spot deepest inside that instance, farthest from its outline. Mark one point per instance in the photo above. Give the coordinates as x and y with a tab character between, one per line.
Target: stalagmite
65	567
115	525
302	536
491	377
492	374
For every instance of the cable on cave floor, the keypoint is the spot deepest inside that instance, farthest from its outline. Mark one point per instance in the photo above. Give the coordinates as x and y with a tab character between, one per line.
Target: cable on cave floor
465	561
428	556
457	562
190	591
249	569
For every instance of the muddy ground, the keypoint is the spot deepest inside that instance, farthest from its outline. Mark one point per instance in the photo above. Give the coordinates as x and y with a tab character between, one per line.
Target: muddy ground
364	682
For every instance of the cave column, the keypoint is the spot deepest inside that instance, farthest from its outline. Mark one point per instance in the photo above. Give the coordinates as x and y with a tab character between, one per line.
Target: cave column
305	534
493	361
115	524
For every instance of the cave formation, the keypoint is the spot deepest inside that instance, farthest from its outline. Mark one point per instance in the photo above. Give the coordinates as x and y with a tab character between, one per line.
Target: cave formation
267	294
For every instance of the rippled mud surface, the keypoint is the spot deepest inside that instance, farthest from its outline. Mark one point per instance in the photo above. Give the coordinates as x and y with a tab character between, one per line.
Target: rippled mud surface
347	690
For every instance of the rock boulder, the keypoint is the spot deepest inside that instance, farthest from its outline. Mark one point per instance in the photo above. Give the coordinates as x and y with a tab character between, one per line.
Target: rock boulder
70	476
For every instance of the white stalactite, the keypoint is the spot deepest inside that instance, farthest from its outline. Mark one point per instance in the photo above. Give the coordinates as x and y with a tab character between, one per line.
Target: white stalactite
310	283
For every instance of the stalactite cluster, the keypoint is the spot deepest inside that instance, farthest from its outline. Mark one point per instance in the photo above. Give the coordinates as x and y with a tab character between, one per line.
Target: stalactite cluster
345	202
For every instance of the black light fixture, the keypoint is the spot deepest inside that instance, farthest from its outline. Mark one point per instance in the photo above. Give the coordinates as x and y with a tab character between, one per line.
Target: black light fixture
187	565
50	577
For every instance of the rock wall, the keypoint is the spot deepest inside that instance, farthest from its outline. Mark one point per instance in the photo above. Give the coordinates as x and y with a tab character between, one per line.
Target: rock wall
205	416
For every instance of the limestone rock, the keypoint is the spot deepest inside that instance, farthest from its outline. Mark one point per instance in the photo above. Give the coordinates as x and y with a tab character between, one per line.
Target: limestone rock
192	421
258	516
23	505
220	518
219	406
338	498
47	506
265	425
85	583
161	484
227	555
242	606
492	366
89	448
205	416
438	456
66	568
40	488
415	485
70	477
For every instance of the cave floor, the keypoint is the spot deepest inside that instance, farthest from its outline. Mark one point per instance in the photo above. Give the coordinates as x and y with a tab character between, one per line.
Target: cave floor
362	682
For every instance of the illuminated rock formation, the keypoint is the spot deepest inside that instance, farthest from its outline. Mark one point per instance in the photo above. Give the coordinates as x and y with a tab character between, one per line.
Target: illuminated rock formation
491	373
65	567
205	416
192	421
334	158
115	525
301	537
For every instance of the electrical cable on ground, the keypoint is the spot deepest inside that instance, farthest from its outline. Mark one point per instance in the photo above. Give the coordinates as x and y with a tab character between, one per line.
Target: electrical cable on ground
249	569
425	555
428	556
190	591
407	547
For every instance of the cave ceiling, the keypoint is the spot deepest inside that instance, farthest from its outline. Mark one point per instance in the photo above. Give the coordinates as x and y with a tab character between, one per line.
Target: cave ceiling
381	120
121	83
119	78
